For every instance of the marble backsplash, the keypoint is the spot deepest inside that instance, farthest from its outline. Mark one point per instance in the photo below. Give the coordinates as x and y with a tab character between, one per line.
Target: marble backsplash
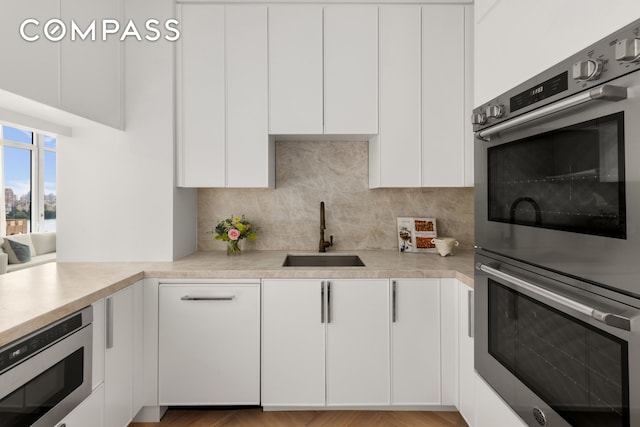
336	173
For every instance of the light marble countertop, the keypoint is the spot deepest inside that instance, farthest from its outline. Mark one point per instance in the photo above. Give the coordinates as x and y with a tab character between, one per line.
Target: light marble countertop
34	297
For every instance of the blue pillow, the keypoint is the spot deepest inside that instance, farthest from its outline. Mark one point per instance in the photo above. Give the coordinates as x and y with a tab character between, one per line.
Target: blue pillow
21	251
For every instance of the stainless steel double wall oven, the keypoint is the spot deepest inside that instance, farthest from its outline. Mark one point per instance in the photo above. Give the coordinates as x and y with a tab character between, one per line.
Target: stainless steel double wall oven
558	239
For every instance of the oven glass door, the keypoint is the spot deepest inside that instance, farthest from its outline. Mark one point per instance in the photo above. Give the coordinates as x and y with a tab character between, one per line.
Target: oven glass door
39	395
580	371
568	179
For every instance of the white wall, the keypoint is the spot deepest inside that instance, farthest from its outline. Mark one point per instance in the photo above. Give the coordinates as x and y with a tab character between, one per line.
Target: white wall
517	39
116	199
116	188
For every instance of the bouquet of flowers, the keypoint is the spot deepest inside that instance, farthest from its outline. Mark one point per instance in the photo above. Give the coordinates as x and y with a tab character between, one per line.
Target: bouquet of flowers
232	230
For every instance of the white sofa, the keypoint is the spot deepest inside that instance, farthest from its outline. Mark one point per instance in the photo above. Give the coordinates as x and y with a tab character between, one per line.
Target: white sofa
41	245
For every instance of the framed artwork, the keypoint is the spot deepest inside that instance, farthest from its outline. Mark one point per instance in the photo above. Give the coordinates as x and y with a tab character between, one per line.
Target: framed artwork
416	234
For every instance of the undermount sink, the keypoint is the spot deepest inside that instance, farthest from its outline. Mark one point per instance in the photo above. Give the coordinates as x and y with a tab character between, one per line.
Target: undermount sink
323	261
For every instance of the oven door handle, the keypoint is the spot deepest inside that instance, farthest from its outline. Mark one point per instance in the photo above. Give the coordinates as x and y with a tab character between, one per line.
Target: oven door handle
601	93
610	319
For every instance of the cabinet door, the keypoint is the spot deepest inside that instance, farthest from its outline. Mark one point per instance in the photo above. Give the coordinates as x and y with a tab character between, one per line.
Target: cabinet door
415	342
99	330
358	342
88	413
295	69
118	370
350	69
449	341
249	152
293	343
467	375
209	344
491	410
91	71
443	96
29	69
395	159
200	76
138	356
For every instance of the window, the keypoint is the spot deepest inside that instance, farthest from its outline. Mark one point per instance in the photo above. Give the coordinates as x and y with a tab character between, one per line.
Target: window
28	180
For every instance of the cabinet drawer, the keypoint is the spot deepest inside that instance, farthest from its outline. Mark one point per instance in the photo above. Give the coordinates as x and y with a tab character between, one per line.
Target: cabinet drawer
209	344
88	413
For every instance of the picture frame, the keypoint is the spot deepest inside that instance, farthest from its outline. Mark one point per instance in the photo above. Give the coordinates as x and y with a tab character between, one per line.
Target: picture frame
416	234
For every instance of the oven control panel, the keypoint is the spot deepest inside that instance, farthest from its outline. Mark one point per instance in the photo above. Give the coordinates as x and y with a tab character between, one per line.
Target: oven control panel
608	59
14	353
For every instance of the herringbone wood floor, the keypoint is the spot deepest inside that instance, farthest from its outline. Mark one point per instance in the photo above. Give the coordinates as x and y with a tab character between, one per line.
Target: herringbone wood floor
257	418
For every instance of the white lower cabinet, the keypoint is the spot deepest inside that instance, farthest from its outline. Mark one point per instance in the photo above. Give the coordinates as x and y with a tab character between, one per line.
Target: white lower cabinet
466	372
122	326
209	343
357	342
99	330
293	343
415	342
88	413
325	342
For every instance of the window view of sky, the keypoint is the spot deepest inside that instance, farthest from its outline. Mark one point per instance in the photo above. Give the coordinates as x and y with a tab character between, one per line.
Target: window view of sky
17	162
19	188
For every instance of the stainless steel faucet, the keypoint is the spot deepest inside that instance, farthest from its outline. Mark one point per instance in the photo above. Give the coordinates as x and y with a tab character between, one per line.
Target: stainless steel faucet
323	243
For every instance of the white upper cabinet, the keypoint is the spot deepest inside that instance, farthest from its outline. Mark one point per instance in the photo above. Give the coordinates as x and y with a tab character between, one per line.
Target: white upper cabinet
393	154
248	148
444	97
295	69
351	69
29	69
83	77
397	74
323	69
222	82
201	96
425	139
91	71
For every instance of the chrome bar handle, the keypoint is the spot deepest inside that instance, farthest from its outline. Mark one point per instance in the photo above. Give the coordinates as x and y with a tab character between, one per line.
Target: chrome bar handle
610	319
109	322
471	308
394	300
196	298
602	93
328	302
322	302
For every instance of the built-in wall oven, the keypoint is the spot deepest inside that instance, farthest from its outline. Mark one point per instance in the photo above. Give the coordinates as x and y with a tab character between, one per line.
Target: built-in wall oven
559	355
46	374
557	170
